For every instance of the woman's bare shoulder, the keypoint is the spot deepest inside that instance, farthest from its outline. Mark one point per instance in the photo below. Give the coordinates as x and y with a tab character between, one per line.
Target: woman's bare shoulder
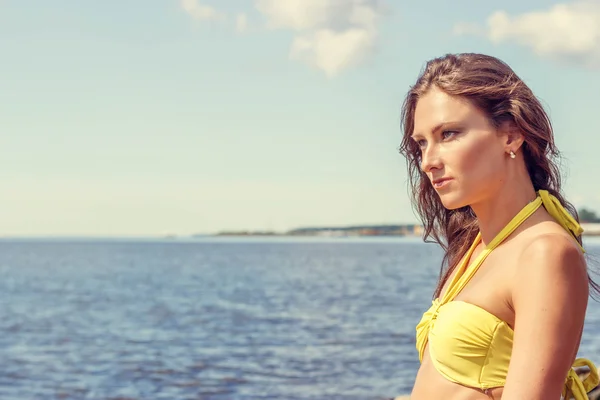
546	237
554	259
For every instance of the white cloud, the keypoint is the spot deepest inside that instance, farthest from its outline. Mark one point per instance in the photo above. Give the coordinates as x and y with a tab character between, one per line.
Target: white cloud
241	23
310	14
331	35
568	32
201	12
333	51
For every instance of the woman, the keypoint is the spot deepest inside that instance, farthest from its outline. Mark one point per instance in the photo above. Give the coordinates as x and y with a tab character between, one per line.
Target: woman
509	308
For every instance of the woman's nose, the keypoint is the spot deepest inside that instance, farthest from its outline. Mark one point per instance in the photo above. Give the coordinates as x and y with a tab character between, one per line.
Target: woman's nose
430	158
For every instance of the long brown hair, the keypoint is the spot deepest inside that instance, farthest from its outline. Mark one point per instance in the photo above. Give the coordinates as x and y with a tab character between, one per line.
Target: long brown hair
493	87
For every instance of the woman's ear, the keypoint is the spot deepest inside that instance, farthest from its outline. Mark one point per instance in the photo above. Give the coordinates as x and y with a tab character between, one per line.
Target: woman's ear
512	136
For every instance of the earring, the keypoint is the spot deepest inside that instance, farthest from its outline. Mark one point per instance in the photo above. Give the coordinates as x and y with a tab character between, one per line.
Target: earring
512	154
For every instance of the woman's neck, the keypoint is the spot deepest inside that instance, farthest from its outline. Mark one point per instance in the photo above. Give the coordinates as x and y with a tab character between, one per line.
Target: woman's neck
495	212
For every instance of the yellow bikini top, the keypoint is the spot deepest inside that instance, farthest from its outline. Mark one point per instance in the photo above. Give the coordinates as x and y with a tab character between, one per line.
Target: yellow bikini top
469	345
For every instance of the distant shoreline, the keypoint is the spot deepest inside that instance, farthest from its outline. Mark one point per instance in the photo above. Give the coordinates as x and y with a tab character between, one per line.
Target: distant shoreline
346	231
359	231
410	230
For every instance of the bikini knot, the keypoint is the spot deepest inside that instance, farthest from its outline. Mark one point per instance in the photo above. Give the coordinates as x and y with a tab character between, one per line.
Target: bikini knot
435	310
560	214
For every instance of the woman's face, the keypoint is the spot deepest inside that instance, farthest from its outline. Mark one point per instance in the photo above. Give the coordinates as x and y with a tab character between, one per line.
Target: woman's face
463	155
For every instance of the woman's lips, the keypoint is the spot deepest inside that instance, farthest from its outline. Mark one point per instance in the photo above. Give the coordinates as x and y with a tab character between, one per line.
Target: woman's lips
440	183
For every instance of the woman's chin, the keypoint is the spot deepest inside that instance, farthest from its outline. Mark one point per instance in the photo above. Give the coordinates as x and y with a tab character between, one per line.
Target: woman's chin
452	201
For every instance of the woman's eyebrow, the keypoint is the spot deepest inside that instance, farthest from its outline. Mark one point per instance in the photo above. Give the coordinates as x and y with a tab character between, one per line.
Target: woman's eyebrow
435	129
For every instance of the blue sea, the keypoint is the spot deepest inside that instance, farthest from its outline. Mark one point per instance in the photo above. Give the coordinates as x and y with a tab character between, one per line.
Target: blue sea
217	318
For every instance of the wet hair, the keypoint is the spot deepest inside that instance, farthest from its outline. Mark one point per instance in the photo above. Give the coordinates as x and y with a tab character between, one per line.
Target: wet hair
494	88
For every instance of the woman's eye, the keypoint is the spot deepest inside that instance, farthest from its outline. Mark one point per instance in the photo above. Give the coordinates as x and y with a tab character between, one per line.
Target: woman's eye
421	143
448	134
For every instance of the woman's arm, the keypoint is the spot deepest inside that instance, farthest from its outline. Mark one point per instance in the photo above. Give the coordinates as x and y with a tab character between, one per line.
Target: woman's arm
550	294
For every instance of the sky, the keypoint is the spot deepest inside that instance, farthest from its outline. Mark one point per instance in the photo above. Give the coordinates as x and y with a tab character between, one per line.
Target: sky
156	117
